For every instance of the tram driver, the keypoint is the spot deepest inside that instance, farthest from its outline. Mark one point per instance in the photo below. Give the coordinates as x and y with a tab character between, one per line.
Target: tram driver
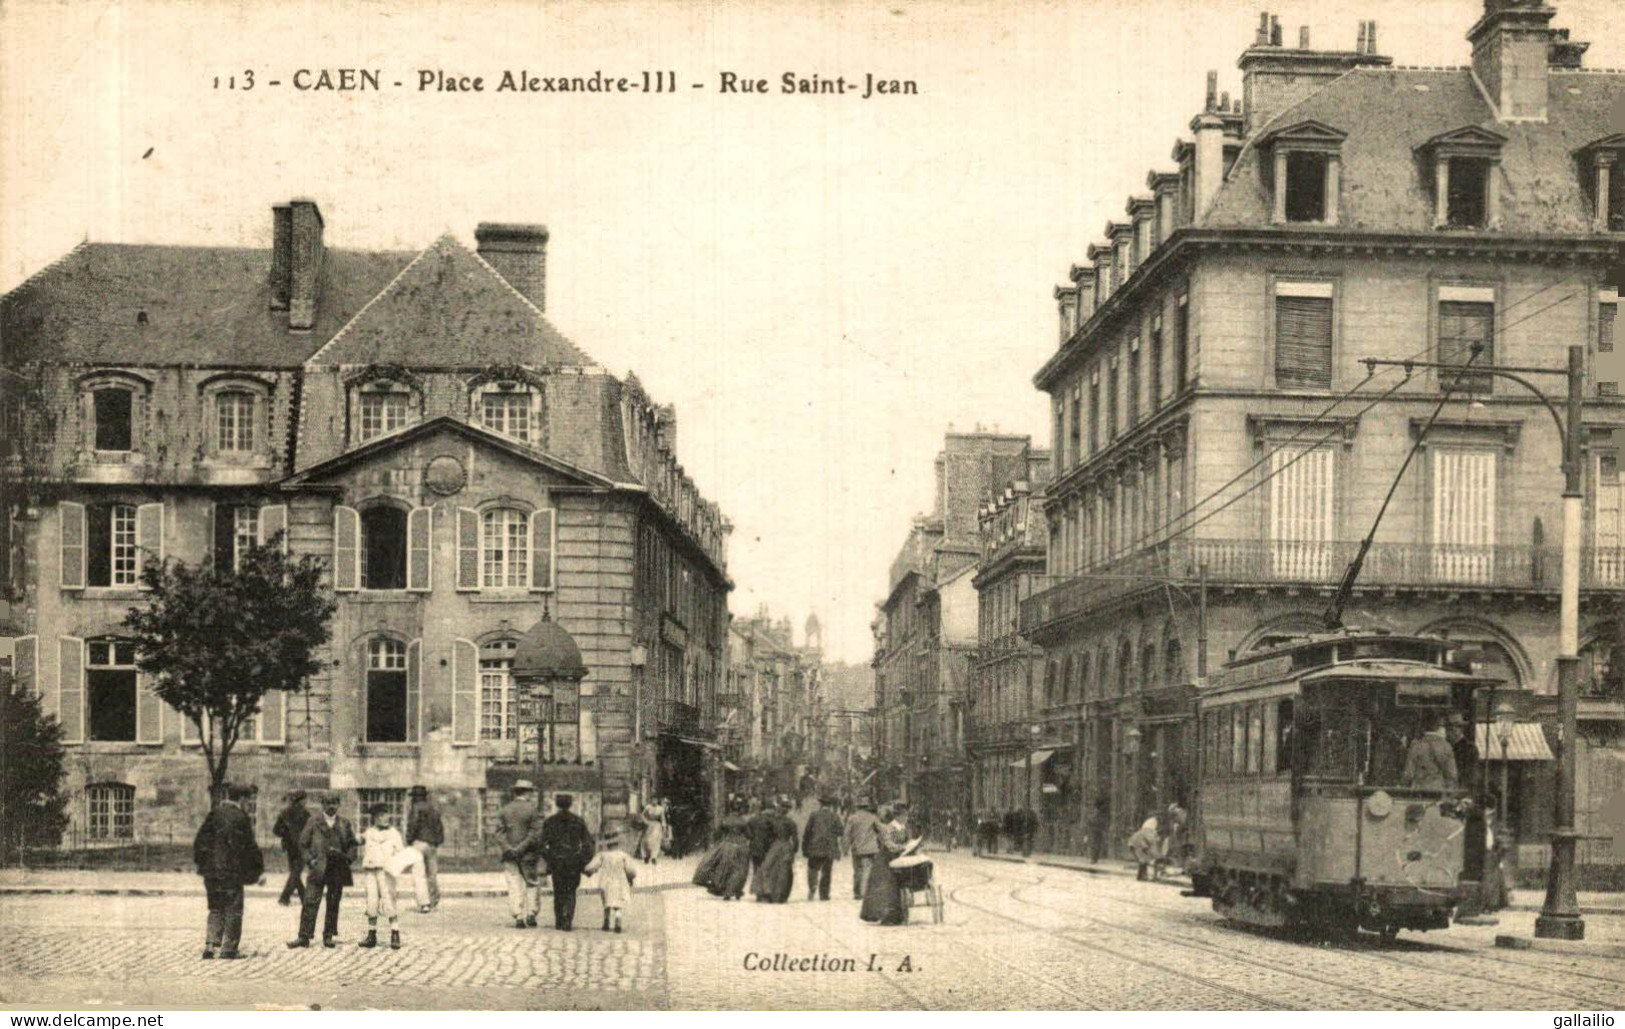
1430	764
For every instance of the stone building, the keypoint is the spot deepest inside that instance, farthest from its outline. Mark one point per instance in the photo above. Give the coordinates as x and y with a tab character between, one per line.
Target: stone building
926	631
1012	764
414	421
1212	415
778	690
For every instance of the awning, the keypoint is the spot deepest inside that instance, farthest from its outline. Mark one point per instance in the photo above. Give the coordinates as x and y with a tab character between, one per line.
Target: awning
730	766
1038	758
1527	743
704	744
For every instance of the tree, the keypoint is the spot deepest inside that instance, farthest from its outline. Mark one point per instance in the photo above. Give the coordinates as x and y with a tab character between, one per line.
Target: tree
33	808
216	640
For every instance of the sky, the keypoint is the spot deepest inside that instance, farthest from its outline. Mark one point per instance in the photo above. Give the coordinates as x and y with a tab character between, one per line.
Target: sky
823	285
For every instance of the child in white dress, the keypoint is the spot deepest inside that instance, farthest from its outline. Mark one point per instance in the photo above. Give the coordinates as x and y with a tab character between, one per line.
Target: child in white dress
615	873
379	844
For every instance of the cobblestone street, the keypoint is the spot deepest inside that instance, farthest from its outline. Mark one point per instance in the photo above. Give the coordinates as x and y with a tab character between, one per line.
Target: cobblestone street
1016	936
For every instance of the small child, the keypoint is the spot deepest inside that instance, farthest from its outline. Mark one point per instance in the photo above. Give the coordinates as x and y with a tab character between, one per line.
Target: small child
615	877
379	843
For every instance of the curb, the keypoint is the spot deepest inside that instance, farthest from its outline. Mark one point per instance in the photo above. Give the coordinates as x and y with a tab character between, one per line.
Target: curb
1602	912
1574	947
1167	880
168	891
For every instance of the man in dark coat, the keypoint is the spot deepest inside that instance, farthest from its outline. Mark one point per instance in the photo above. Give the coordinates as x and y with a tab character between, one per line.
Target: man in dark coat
567	846
427	832
1430	764
228	859
821	845
861	837
289	824
759	833
329	845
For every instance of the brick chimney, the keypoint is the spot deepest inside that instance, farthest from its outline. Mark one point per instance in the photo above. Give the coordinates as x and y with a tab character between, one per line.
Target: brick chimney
281	255
1511	50
1208	128
1275	78
305	263
519	254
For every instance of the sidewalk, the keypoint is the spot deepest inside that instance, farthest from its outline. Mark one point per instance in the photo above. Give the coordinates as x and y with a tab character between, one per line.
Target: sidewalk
1522	900
668	874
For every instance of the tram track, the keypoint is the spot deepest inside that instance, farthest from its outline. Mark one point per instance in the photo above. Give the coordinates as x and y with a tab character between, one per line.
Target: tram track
1204	981
1363	950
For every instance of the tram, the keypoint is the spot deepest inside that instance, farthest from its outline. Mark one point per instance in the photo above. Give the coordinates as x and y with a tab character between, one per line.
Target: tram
1304	817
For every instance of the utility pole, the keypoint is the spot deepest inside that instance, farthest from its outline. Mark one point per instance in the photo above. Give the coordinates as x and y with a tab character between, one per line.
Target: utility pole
1560	915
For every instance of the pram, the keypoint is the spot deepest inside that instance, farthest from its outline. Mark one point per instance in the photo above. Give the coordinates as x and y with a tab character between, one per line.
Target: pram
916	879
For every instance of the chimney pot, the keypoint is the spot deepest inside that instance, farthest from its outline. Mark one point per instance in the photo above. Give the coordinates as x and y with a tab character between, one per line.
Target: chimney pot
1275	31
1263	36
1359	46
1303	37
305	264
1212	91
281	255
519	255
1371	37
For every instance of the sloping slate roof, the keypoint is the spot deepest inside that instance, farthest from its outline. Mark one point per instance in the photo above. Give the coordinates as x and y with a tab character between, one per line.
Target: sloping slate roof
204	305
1387	114
450	307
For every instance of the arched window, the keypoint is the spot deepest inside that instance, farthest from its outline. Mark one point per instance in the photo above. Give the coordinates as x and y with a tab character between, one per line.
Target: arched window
380	407
1173	661
383	548
499	711
1083	677
110	811
1066	680
505	553
1125	669
386	691
509	409
1148	666
234	420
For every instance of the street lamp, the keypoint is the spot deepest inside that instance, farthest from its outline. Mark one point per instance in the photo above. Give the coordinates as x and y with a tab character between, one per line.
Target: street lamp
1131	750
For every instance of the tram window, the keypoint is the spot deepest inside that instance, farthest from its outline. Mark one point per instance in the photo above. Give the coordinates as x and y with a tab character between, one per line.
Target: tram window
1283	736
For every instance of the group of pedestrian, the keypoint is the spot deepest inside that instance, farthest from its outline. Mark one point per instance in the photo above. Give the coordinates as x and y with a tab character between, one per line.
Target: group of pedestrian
1019	825
761	848
1159	841
324	852
559	847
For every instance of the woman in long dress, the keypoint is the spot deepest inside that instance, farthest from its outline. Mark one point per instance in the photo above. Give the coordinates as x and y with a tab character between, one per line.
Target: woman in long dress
777	871
726	867
883	898
654	830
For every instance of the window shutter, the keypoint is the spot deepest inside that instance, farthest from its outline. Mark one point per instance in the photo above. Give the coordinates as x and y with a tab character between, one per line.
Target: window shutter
149	531
420	549
465	692
1301	511
70	685
25	663
1461	324
414	690
1607	315
73	545
346	548
273	717
274	519
149	711
1303	342
468	549
541	550
1464	514
589	735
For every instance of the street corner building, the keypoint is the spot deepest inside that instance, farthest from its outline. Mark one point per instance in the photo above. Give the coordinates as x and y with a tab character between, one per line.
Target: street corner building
1220	447
414	421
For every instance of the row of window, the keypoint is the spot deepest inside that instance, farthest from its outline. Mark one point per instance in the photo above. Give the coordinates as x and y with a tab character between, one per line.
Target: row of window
1068	679
1116	408
1247	739
238	414
1107	520
381	547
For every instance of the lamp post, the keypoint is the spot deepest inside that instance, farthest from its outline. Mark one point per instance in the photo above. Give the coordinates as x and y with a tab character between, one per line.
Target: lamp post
1560	914
1504	716
1131	750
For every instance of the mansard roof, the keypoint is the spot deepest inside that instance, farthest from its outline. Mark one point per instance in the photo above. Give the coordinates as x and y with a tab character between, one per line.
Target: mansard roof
138	304
449	306
1389	113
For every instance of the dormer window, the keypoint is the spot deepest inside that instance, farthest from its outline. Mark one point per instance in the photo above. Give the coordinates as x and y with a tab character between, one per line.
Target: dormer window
382	413
234	414
114	418
1602	170
1307	166
111	409
1466	194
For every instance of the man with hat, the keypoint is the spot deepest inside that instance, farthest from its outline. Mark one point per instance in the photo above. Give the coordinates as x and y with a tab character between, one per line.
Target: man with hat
228	859
821	845
425	832
519	830
861	838
567	847
289	824
328	845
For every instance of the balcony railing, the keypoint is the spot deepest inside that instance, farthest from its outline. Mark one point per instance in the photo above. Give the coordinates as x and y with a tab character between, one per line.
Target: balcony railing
1265	563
